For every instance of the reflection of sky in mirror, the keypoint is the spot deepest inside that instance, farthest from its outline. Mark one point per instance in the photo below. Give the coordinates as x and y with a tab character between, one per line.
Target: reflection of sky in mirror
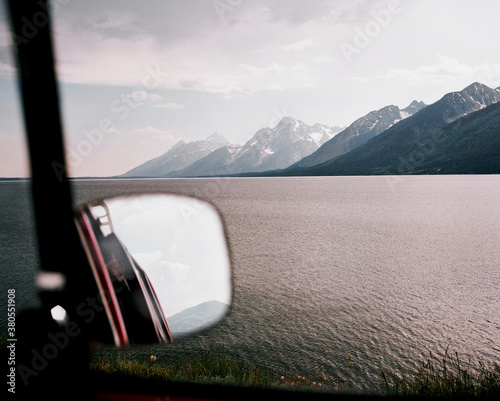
179	242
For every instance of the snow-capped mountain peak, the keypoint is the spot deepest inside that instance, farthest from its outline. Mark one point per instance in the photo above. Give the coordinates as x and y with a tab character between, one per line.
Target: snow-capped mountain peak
474	97
289	122
217	138
269	148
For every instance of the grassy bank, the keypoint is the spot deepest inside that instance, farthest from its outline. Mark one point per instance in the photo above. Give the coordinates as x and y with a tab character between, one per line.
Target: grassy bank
446	377
205	367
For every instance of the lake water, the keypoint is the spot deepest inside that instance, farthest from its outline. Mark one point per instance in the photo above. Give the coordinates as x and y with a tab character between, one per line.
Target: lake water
333	275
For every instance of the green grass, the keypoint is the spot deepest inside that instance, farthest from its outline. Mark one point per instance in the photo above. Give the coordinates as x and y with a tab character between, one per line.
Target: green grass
437	377
445	377
203	367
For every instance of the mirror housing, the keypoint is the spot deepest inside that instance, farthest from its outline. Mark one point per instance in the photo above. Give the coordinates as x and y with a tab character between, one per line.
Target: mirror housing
160	263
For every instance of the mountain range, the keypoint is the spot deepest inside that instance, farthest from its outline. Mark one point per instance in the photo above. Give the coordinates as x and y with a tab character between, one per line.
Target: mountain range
359	132
268	149
197	318
457	134
431	134
181	155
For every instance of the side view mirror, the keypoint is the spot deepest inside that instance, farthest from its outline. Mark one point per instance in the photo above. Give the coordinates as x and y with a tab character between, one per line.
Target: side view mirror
160	262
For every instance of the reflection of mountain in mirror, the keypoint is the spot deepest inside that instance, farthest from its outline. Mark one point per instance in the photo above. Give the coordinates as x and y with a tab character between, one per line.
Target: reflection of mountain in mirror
196	318
180	244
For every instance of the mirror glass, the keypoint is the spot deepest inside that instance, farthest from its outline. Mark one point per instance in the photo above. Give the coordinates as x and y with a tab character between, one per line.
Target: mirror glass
177	246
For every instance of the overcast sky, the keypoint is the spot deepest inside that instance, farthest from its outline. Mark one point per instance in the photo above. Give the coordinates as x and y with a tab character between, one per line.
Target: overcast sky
136	77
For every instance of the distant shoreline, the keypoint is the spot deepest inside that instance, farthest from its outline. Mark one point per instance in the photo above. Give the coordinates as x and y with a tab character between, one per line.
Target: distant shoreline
245	175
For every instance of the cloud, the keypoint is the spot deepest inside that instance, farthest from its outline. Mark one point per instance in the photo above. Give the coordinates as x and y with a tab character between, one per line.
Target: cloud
273	68
140	98
143	96
446	69
298	12
114	131
152	133
361	79
223	83
298	46
194	48
259	51
148	259
253	47
275	88
120	25
170	106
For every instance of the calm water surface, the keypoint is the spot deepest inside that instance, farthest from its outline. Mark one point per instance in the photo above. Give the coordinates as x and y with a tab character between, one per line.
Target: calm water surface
335	275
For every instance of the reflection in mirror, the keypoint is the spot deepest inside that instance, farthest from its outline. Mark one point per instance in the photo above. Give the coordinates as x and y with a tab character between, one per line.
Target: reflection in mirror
162	263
